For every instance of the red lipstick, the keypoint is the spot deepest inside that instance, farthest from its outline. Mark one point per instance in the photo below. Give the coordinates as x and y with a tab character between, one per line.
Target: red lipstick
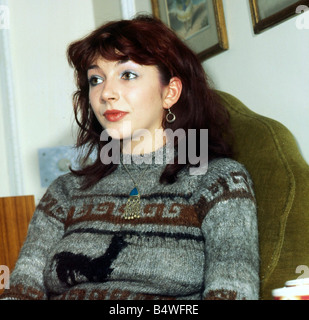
114	115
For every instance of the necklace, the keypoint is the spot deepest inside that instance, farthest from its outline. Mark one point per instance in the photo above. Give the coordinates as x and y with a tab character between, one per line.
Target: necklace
133	207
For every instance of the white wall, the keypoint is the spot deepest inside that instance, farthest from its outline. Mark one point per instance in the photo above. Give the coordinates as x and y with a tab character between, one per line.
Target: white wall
268	72
43	82
4	176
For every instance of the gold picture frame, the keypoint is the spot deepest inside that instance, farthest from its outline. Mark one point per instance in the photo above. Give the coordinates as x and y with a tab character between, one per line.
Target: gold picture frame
266	14
199	23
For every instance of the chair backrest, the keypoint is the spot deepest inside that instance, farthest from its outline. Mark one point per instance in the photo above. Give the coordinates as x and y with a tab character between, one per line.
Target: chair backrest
15	215
281	179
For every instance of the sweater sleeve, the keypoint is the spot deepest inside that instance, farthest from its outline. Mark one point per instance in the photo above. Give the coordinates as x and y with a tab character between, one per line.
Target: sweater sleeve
45	229
231	234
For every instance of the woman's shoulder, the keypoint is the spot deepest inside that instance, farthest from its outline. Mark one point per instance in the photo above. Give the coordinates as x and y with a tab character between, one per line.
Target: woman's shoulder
226	174
225	182
225	166
65	184
219	167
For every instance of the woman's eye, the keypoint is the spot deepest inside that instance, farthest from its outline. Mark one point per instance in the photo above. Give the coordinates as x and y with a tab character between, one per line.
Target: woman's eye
128	75
95	80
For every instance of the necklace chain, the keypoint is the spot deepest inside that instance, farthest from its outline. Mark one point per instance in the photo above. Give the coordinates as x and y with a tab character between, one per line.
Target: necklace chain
141	176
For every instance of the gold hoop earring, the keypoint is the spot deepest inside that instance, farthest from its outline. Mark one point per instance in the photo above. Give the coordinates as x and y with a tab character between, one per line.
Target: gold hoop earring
170	117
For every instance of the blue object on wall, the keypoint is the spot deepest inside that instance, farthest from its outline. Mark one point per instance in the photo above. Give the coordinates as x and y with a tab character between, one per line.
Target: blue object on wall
54	162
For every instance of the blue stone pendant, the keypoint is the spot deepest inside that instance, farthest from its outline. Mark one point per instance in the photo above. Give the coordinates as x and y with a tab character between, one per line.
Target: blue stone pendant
133	206
134	192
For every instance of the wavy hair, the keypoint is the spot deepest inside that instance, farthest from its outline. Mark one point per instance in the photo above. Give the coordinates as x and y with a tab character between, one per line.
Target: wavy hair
147	41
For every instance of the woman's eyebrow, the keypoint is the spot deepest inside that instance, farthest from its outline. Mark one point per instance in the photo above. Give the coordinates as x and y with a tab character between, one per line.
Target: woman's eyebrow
122	61
94	66
119	62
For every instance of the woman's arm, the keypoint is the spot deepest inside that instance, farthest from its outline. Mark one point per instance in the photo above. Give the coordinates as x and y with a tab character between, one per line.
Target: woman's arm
45	229
231	236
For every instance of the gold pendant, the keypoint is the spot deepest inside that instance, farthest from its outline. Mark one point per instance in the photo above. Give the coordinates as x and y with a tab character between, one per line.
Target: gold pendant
133	206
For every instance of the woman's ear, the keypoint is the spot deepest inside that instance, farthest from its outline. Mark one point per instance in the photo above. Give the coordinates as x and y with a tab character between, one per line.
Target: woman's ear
172	92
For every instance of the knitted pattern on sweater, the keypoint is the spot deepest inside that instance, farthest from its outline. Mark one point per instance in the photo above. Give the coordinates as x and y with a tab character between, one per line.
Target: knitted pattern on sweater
196	238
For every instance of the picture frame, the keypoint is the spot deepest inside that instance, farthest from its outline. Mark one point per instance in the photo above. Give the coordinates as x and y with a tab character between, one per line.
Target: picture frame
199	23
266	14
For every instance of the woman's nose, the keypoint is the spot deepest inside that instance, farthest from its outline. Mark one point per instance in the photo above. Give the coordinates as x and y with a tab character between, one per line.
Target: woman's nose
109	91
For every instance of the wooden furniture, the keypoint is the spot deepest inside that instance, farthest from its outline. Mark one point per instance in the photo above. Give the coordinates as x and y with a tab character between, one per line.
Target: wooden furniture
15	215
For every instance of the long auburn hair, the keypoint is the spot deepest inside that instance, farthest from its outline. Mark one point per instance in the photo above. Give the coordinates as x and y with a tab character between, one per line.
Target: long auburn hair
147	41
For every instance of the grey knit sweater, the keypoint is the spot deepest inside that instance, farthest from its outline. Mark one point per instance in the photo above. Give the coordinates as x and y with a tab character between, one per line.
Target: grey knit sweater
195	239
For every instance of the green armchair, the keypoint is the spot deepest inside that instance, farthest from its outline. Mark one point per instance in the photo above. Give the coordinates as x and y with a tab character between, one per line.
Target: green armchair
281	179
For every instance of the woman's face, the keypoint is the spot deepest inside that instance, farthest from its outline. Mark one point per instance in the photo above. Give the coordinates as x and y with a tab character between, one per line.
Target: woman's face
127	97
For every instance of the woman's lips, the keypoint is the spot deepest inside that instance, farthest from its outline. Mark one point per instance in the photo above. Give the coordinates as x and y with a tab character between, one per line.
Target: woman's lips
114	115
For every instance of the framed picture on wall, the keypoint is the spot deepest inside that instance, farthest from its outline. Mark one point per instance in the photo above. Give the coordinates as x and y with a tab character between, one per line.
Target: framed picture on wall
266	14
199	23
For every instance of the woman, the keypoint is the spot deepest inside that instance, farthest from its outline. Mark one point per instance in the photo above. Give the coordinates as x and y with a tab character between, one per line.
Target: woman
137	223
